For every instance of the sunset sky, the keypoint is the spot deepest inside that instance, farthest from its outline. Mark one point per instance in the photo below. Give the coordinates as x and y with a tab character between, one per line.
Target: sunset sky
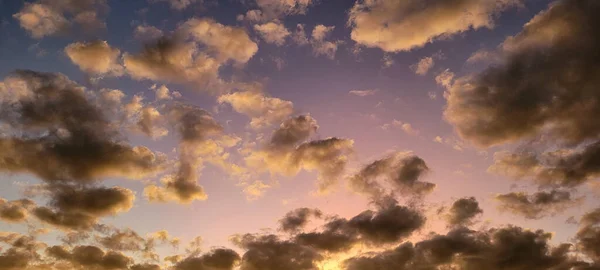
299	134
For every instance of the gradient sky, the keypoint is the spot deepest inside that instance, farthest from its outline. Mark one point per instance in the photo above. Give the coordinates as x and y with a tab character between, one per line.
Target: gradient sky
474	89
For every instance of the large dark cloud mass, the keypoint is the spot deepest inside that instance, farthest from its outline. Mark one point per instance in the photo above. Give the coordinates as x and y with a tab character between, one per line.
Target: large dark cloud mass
547	84
60	135
545	88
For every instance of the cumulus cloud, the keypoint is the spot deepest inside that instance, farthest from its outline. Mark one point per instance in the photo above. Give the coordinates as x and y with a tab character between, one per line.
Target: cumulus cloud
151	123
425	64
263	110
178	58
272	32
463	211
64	136
532	91
402	170
320	45
47	17
445	78
195	127
289	151
299	36
537	205
395	26
96	58
276	9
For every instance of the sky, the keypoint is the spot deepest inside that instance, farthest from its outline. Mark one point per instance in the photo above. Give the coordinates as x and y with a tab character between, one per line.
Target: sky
299	134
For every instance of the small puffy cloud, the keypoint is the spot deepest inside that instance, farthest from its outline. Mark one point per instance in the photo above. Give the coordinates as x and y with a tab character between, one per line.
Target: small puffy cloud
463	211
299	36
41	20
262	109
162	92
320	45
364	93
406	127
272	32
255	190
320	32
537	205
47	18
96	58
423	66
395	26
445	78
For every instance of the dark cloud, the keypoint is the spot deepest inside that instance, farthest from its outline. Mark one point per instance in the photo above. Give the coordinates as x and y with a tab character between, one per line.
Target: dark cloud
193	123
145	266
100	201
79	208
588	236
537	205
65	220
546	84
217	259
463	211
296	220
560	168
402	170
59	135
503	248
15	211
390	223
269	252
292	132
